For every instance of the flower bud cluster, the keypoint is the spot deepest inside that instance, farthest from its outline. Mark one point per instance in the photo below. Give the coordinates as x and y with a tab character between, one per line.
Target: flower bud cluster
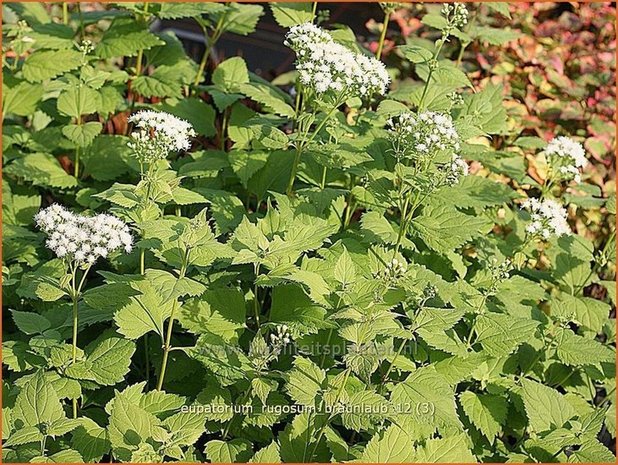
326	66
83	239
548	218
281	337
457	169
392	271
158	134
565	158
456	14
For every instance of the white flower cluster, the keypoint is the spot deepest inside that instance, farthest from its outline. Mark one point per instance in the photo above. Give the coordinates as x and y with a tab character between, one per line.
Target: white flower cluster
456	14
282	337
548	218
566	157
423	134
83	239
326	66
158	134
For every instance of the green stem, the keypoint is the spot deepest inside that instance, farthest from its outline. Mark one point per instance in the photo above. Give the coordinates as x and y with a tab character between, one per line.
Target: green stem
140	53
462	49
210	43
323	182
75	322
473	326
330	417
75	293
142	271
315	10
77	153
387	17
304	142
330	335
431	70
256	303
65	13
392	365
596	263
170	327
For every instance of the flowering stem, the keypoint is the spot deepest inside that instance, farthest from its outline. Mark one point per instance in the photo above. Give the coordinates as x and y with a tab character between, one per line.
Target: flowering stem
75	294
65	13
387	17
304	142
315	10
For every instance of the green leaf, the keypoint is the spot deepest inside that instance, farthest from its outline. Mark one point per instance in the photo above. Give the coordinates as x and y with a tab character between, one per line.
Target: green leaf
291	14
236	450
393	446
427	388
165	81
109	357
217	311
126	37
453	449
107	157
30	322
77	101
576	350
486	411
24	435
187	10
304	381
21	99
501	334
272	100
268	454
91	440
41	169
82	135
345	270
129	426
443	228
197	112
144	312
415	53
42	65
545	407
240	19
38	403
230	74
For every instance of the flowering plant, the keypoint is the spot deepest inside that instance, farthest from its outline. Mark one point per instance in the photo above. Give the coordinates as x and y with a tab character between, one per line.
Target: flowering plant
335	266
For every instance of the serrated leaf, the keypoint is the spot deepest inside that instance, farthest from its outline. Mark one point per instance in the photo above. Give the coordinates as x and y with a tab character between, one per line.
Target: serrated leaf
48	64
126	37
82	135
41	169
236	450
38	403
487	412
304	381
501	334
291	14
545	407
